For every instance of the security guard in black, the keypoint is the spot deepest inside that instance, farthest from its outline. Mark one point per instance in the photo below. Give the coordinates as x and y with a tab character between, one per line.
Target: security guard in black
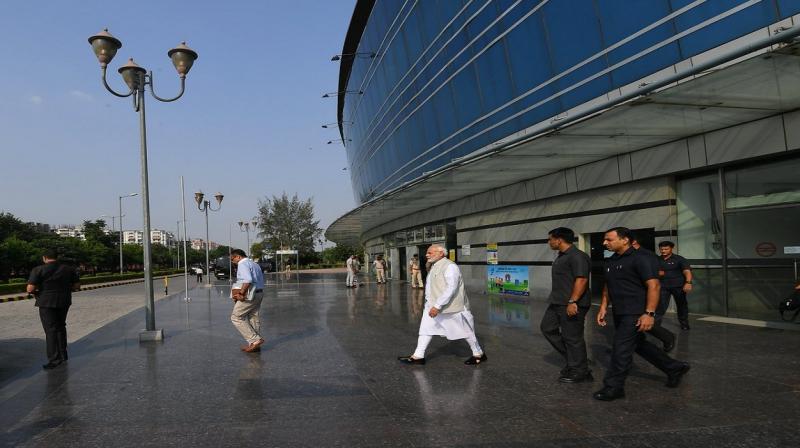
631	276
52	284
626	277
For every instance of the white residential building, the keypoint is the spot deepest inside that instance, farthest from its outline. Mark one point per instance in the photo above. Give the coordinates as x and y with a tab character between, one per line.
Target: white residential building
156	237
70	231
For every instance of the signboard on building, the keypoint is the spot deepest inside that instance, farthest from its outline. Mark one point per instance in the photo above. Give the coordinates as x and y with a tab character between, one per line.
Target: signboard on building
791	250
466	250
513	280
491	253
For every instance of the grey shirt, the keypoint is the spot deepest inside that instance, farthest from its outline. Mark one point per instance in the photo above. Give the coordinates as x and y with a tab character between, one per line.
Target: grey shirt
568	266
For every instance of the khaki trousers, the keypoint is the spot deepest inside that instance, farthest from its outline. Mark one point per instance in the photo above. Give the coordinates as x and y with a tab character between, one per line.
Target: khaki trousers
416	278
379	274
245	317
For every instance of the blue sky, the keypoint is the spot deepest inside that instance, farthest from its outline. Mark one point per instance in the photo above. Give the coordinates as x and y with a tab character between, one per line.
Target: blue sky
251	111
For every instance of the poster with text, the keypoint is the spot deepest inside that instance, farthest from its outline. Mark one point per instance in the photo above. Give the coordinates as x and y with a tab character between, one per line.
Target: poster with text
513	280
491	253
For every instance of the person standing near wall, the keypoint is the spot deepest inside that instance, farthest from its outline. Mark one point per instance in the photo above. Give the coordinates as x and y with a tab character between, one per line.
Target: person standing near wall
416	272
676	281
352	268
380	269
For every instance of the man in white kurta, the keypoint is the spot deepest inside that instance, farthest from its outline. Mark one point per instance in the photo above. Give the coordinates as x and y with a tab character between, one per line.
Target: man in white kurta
446	309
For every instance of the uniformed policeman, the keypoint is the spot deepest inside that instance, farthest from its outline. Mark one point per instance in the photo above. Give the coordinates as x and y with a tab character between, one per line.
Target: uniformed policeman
632	288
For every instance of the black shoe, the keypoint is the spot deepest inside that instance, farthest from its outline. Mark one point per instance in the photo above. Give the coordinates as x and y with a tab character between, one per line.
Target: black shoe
609	394
575	378
51	365
684	325
674	378
411	360
668	346
475	360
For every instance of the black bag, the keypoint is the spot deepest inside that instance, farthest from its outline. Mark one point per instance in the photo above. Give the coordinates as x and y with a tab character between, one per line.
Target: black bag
790	304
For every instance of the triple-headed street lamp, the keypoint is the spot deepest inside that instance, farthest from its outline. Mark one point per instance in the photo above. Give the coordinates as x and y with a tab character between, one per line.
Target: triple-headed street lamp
205	206
105	47
120	228
244	226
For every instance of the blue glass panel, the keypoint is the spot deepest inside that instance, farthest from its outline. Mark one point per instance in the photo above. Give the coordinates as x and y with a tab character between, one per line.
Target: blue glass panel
788	8
493	76
743	22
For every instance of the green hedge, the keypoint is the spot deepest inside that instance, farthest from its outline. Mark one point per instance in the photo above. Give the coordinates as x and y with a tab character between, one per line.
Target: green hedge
12	288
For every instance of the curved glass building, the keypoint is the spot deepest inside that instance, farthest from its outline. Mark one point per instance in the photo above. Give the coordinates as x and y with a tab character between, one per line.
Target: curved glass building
488	122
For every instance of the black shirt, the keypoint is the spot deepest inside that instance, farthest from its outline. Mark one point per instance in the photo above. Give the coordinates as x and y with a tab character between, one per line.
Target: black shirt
626	275
568	266
673	268
53	283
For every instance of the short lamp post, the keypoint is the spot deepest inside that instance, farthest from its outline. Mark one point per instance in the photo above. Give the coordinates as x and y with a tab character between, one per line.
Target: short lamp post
137	79
205	206
244	226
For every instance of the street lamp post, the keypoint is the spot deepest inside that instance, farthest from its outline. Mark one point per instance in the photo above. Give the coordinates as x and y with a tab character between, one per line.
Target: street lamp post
244	226
205	206
120	229
105	47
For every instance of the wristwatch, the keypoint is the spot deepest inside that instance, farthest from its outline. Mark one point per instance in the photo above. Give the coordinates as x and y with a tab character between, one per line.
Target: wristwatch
571	301
650	313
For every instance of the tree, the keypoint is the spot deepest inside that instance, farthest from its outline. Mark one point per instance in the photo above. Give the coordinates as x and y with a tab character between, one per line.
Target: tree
16	256
288	223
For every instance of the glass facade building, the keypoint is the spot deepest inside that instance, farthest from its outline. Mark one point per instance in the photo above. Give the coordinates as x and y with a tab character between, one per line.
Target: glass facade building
451	76
708	160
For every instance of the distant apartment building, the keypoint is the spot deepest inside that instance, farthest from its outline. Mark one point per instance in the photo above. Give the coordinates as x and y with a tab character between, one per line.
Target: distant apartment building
156	237
200	244
70	231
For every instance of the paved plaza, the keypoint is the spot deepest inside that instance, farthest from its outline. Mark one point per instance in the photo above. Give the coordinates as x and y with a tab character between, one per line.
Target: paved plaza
328	376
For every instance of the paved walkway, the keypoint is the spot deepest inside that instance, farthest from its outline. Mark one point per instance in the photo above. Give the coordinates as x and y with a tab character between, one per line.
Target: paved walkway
328	377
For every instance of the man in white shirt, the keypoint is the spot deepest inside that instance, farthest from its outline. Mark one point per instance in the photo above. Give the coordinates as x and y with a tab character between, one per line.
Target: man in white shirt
446	309
352	269
247	293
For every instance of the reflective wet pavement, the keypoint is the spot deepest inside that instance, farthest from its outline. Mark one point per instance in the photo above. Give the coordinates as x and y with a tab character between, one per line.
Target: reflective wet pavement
328	376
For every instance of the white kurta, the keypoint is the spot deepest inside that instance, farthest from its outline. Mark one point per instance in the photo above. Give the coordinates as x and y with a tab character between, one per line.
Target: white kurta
453	326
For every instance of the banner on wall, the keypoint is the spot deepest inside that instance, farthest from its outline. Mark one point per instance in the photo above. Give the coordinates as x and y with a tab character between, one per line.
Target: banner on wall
491	253
509	280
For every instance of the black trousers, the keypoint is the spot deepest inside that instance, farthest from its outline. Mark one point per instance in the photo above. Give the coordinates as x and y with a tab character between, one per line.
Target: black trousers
627	340
54	322
680	302
565	334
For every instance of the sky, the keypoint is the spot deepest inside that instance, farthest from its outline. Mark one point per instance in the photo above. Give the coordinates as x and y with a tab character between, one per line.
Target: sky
248	126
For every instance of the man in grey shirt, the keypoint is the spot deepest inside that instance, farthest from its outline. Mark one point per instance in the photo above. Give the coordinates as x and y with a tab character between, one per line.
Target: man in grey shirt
562	323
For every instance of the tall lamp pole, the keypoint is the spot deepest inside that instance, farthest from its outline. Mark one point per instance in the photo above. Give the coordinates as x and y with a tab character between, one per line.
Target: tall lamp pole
105	47
120	229
244	226
205	206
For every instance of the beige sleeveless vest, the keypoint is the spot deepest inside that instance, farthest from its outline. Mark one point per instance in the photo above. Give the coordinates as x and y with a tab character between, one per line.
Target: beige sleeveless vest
438	285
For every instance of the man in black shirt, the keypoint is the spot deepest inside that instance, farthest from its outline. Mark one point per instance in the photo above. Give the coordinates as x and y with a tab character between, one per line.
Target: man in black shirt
632	288
658	331
562	323
676	281
52	285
